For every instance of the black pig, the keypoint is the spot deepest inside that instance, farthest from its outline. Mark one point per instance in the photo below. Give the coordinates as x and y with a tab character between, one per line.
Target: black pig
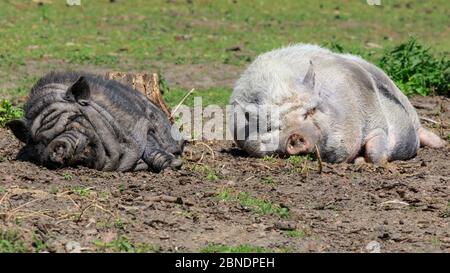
74	118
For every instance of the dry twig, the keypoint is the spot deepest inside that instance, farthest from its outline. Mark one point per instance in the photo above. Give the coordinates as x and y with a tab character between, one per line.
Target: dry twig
319	159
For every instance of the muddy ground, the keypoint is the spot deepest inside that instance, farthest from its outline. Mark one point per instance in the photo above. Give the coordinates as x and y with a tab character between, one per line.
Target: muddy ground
404	206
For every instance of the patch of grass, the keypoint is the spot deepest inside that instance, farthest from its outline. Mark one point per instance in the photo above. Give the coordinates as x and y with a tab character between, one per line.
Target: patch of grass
268	180
212	177
220	248
103	195
8	112
103	224
67	176
415	70
435	241
268	158
225	194
261	206
11	242
81	191
122	188
122	244
53	190
446	212
300	163
256	205
411	65
143	35
297	159
38	244
110	223
295	233
205	170
351	49
216	95
118	223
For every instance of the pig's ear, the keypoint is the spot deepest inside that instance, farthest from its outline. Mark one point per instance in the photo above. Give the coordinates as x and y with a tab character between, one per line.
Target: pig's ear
79	91
310	77
19	129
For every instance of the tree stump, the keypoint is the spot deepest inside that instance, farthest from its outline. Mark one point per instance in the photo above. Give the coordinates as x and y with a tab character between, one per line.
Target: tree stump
147	84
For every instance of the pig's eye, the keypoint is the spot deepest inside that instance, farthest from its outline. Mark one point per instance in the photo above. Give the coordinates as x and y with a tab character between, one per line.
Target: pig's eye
310	112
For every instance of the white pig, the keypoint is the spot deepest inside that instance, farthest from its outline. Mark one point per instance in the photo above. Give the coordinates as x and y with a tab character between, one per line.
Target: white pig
339	103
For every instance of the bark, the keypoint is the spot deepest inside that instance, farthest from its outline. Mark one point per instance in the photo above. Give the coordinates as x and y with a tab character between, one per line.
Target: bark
147	84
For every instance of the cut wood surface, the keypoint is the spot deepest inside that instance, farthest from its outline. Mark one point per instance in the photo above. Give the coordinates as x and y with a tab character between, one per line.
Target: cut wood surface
147	84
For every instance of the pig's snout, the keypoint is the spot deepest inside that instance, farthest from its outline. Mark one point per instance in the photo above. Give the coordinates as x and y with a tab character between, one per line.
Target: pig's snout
59	151
296	144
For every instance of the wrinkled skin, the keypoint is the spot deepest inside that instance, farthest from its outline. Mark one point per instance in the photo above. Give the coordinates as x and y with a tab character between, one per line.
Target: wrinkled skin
80	119
336	104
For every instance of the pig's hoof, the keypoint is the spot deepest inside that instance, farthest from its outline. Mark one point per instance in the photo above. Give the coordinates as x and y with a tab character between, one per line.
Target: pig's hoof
176	164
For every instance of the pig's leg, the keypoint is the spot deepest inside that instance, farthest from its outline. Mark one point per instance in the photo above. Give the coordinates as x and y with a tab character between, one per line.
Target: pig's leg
428	138
140	166
157	158
376	147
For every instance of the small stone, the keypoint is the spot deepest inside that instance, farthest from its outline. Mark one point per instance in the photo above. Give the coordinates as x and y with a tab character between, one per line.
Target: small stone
262	234
373	247
225	172
285	225
229	183
90	232
73	247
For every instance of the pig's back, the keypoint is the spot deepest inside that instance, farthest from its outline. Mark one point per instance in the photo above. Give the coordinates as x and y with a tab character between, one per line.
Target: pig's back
123	103
386	86
340	77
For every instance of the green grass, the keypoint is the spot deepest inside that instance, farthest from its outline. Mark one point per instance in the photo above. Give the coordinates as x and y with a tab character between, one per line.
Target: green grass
11	242
268	158
295	233
208	172
415	70
67	176
8	112
53	189
300	164
103	195
218	96
298	159
446	212
220	248
38	244
102	33
81	191
142	36
225	194
268	180
256	205
123	244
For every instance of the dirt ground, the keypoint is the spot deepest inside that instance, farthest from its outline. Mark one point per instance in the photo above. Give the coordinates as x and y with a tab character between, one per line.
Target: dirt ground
404	206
